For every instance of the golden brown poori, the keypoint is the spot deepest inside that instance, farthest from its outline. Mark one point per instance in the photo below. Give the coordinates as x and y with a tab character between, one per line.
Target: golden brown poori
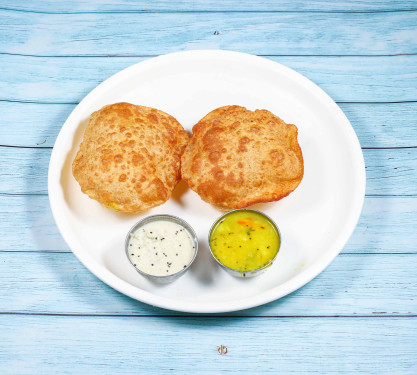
237	157
130	157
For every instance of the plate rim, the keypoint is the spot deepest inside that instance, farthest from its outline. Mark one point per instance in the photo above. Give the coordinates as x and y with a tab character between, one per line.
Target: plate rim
270	295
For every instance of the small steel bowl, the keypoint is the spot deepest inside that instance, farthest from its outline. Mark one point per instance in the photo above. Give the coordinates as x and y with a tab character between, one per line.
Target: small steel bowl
251	273
174	219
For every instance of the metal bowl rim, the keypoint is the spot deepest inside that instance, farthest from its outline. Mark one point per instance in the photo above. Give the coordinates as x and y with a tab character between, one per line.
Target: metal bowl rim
162	217
248	271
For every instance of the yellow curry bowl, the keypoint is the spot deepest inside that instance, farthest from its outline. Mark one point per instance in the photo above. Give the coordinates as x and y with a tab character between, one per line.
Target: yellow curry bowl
244	242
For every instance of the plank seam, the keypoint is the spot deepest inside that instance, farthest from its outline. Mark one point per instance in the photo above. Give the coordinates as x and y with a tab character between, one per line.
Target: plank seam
156	11
37	147
75	103
382	148
193	316
35	101
22	194
150	56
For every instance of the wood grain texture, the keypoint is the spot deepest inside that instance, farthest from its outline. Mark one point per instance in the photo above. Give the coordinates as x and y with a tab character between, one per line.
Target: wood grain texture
376	125
68	345
267	33
389	171
117	6
26	223
363	285
387	225
345	79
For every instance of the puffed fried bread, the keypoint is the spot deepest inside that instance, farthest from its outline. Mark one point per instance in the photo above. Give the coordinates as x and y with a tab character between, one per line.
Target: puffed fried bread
237	157
130	157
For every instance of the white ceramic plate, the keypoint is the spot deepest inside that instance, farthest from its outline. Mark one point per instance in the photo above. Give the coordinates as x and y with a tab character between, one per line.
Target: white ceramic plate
316	220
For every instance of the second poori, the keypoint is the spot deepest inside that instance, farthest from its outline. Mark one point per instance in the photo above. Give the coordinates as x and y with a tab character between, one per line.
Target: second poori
237	157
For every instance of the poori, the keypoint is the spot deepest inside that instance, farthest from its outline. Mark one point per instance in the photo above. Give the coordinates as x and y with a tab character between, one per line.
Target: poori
237	157
130	157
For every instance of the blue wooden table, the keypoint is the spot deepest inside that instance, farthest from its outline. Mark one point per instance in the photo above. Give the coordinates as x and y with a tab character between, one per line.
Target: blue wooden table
358	316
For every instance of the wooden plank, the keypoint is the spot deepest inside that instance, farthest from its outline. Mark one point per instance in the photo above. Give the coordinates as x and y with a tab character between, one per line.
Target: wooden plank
377	125
345	79
267	33
389	171
117	6
387	225
26	223
34	124
24	170
365	285
383	125
81	345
